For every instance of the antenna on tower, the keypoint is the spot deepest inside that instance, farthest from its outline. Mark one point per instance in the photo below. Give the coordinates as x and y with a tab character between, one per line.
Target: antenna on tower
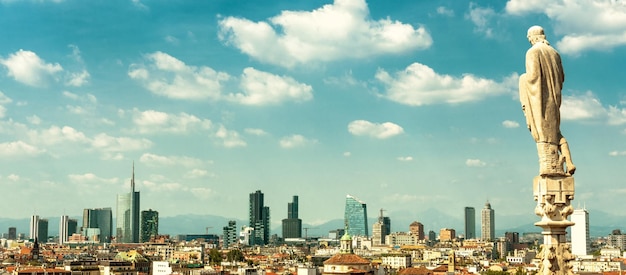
132	180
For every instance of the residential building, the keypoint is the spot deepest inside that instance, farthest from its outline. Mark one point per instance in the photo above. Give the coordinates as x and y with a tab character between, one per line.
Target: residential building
380	229
149	225
292	225
417	228
127	230
487	224
470	223
399	261
355	217
259	219
580	232
98	224
616	239
447	234
230	235
401	238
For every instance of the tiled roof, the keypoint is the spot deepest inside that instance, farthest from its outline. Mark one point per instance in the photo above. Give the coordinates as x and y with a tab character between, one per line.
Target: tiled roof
422	270
346	259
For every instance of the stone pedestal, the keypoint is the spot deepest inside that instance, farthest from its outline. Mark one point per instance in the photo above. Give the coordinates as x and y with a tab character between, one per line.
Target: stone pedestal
553	195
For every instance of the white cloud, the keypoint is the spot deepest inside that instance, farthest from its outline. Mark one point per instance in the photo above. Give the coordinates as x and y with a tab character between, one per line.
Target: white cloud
420	85
481	17
445	11
475	163
4	99
616	115
55	135
347	154
255	132
78	79
409	158
26	67
617	153
581	107
157	160
262	88
91	178
167	76
197	173
510	124
342	30
13	177
229	138
604	26
151	121
201	192
375	130
111	144
34	119
294	141
18	149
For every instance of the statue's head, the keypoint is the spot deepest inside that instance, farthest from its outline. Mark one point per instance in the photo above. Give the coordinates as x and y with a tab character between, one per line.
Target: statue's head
536	34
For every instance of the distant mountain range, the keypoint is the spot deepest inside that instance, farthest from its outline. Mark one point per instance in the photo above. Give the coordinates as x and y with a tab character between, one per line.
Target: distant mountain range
601	224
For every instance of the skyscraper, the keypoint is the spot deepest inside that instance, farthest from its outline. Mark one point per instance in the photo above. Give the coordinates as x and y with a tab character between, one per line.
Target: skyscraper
127	230
470	223
64	229
580	232
292	225
230	235
34	227
381	229
487	225
355	217
38	229
259	219
149	224
98	224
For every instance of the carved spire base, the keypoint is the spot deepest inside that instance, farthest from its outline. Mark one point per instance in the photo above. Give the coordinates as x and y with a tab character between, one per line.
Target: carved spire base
554	195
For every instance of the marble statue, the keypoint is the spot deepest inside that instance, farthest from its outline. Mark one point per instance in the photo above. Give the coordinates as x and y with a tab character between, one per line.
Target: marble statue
540	96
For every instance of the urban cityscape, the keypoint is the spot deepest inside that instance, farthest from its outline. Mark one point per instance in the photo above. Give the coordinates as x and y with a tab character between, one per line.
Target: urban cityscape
133	245
317	137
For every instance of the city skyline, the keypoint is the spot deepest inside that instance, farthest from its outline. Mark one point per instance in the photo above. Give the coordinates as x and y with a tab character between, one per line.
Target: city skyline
406	106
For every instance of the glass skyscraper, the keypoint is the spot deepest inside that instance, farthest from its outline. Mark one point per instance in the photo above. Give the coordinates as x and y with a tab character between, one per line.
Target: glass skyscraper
259	219
98	224
127	229
355	217
292	225
470	223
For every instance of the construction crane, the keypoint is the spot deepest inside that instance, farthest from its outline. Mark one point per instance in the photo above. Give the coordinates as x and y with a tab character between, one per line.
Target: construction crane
207	229
306	231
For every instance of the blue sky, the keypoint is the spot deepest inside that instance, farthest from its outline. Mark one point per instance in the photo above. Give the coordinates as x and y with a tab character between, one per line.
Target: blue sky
406	106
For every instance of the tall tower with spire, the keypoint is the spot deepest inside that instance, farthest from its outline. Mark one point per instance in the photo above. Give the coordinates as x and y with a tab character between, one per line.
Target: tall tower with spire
127	230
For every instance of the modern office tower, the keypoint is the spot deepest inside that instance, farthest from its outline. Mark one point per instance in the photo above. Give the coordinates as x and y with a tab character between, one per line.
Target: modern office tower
470	223
34	227
230	235
98	224
64	229
12	233
417	228
380	230
580	232
149	225
447	234
292	225
487	224
72	226
355	217
259	219
42	231
38	229
127	230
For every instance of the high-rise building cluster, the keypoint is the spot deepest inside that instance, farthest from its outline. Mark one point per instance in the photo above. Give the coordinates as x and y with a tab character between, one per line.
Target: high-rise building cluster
97	226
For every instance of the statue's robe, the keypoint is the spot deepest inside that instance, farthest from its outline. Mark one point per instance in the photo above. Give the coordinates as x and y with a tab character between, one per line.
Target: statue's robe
540	92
